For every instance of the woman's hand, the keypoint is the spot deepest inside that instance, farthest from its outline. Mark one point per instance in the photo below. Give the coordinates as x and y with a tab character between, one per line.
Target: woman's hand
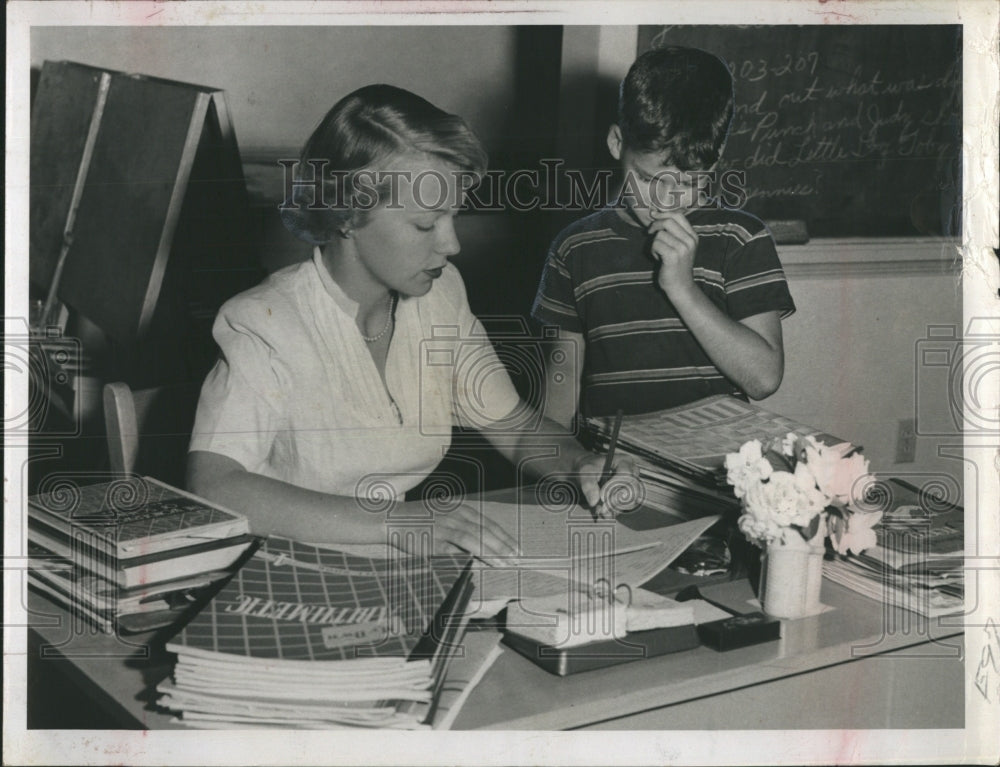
470	530
623	490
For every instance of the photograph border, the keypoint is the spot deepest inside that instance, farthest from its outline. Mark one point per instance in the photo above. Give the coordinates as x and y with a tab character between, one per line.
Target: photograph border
977	743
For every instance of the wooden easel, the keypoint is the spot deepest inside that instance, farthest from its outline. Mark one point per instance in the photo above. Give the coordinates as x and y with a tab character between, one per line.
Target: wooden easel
139	216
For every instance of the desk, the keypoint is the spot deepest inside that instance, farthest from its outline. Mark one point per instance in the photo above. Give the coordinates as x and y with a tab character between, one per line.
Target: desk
837	670
808	679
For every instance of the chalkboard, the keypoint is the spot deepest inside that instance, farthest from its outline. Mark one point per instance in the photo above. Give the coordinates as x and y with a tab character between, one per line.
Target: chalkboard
855	130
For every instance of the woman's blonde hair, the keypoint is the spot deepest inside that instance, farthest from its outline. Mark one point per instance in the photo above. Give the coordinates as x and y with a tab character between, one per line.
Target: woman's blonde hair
363	131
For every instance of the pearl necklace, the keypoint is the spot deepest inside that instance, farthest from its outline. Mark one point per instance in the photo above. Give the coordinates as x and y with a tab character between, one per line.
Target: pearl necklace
388	322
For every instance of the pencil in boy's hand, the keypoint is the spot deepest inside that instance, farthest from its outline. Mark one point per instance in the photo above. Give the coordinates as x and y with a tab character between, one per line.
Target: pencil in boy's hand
609	461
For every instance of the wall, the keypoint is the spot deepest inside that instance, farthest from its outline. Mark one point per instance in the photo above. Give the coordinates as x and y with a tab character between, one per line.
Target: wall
280	81
854	365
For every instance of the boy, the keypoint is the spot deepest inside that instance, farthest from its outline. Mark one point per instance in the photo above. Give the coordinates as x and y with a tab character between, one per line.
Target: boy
664	302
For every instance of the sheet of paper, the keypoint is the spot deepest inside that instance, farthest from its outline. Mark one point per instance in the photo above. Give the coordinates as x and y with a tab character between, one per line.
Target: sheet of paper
544	532
565	548
481	649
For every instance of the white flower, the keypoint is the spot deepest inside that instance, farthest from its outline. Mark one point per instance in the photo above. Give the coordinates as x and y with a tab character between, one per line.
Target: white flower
788	444
807	483
770	508
842	479
854	533
747	467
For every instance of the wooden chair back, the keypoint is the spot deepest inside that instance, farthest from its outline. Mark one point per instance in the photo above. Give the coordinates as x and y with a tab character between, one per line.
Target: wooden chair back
148	430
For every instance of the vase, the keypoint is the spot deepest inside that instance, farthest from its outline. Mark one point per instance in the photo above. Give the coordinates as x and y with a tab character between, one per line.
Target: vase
791	574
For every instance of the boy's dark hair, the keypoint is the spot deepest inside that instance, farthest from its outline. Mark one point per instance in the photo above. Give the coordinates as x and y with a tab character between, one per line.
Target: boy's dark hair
678	102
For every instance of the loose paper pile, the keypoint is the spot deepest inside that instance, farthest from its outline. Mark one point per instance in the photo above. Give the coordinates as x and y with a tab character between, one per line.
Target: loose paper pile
918	564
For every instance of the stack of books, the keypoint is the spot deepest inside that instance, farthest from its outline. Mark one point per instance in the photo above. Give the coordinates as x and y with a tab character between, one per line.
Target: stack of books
918	564
308	636
129	553
681	452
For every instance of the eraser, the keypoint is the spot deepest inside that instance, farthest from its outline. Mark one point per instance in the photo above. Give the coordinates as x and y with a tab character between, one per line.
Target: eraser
792	232
739	631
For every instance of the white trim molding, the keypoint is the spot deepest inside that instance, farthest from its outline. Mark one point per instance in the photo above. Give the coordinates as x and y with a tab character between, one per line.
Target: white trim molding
886	256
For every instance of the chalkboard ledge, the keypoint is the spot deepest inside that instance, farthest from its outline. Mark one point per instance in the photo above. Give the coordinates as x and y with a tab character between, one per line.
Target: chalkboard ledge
889	256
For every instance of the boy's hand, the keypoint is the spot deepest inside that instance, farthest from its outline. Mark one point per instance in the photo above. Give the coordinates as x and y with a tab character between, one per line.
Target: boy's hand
674	245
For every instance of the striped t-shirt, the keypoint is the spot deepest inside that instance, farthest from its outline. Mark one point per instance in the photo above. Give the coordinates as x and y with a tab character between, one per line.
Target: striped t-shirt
600	281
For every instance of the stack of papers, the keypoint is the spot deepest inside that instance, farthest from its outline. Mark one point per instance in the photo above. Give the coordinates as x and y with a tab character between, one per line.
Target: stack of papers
679	495
306	636
692	440
918	564
928	594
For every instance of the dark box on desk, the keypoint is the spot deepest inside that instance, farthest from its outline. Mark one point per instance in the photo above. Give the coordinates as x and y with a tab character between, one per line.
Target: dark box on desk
637	645
739	631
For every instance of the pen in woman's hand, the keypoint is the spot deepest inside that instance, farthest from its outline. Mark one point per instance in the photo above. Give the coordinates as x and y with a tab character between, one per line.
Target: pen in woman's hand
601	510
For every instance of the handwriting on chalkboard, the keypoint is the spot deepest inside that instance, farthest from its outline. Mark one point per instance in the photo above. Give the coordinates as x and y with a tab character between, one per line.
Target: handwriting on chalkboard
874	127
857	131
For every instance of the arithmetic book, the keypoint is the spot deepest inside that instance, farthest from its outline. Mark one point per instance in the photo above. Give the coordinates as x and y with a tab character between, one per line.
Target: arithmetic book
308	636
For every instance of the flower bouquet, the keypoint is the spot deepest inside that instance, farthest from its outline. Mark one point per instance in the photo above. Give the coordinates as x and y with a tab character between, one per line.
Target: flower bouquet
795	493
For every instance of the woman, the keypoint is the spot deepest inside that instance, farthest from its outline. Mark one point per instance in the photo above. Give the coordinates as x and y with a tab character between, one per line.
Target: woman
340	377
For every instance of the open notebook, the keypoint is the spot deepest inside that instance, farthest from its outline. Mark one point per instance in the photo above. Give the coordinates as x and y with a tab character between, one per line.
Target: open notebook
567	548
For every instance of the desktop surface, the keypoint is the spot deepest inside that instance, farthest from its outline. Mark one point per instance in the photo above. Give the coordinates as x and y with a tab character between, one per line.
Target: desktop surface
909	678
858	664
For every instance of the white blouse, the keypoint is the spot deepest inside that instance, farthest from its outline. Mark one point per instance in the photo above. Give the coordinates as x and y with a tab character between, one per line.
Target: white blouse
296	395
